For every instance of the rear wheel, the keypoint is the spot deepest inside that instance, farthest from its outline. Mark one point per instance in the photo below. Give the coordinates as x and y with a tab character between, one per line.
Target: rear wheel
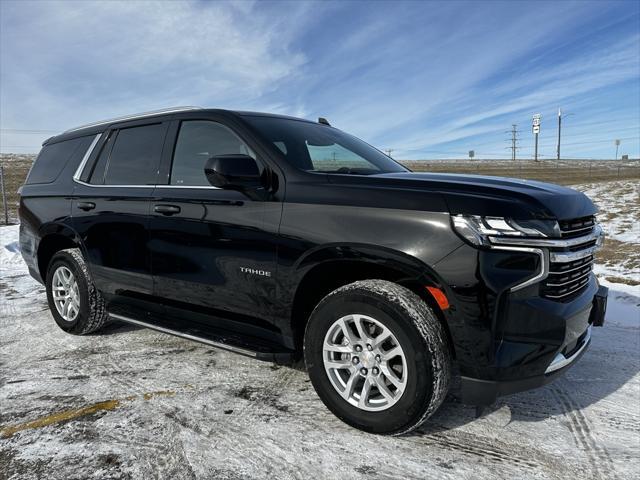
75	303
377	356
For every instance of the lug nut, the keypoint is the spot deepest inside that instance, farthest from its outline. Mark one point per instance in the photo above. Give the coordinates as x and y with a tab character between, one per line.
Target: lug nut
378	358
355	360
375	370
369	347
358	348
364	371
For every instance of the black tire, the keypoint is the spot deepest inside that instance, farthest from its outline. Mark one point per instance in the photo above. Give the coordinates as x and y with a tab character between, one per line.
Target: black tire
417	330
92	314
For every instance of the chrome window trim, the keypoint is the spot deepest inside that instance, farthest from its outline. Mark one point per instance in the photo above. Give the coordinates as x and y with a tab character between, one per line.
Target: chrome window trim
112	186
561	361
552	243
146	186
85	158
544	265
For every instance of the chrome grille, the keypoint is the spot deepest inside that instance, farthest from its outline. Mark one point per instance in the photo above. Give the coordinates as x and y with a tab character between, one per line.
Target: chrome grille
569	274
577	227
567	262
567	278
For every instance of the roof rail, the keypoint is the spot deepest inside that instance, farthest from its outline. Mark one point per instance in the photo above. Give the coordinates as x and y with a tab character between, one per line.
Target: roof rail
134	116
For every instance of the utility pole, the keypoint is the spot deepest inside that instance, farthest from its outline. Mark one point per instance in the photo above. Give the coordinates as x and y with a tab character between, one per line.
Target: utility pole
617	145
4	196
514	141
559	129
389	150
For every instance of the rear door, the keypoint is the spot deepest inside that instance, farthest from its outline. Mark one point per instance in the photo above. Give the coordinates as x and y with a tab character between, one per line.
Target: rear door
213	250
110	212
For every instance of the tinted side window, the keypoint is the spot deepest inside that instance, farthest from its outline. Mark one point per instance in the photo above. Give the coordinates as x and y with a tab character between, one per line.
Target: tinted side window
199	140
135	156
53	158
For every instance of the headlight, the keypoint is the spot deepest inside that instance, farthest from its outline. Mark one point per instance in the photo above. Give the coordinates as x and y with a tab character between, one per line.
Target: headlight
477	230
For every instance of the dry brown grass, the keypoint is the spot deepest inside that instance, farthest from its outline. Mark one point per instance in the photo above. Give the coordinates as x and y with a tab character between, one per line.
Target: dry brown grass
564	172
616	253
626	281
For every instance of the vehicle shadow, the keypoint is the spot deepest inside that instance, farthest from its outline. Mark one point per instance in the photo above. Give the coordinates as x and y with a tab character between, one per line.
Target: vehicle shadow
116	328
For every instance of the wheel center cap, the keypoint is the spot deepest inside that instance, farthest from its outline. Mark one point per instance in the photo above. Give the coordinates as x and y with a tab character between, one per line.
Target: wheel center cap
368	359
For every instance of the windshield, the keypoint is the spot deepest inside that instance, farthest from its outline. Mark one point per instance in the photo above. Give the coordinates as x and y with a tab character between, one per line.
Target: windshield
319	148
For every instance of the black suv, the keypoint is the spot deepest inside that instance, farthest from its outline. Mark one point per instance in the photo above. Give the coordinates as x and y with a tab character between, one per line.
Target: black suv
277	237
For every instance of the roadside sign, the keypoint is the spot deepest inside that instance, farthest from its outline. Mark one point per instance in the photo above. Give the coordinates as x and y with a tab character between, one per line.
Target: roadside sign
536	123
472	154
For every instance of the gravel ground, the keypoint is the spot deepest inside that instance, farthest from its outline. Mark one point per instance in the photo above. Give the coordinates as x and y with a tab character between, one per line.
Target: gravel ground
133	403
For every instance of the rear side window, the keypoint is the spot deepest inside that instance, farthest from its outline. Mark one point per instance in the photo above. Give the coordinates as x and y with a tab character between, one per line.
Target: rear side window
53	158
134	158
198	141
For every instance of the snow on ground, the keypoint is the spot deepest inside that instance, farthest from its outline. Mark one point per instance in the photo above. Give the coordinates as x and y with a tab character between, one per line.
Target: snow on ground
133	403
619	204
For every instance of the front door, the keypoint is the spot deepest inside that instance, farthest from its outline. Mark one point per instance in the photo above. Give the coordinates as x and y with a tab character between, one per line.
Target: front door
213	251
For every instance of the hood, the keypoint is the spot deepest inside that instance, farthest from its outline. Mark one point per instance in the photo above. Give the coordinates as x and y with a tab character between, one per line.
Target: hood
497	196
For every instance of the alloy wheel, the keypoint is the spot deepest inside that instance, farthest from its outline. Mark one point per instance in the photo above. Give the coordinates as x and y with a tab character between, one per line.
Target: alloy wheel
66	296
365	362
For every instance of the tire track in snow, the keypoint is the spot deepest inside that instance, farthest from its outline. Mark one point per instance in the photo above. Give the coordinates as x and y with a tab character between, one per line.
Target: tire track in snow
489	449
232	433
597	456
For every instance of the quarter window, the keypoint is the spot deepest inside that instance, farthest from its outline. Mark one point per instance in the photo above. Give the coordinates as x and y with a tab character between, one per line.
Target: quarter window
53	158
199	140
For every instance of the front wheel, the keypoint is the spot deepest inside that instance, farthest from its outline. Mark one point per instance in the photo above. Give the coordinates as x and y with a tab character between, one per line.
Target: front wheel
377	356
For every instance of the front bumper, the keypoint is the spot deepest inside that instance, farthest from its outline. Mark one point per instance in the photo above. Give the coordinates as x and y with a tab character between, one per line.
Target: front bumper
477	391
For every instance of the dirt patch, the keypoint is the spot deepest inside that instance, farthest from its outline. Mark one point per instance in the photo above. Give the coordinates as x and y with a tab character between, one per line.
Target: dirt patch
626	281
614	252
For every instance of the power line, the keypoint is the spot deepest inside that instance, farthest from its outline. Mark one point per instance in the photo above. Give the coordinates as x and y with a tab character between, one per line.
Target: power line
514	141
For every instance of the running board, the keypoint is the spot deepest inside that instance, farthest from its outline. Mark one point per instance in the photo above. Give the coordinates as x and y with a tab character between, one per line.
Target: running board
209	338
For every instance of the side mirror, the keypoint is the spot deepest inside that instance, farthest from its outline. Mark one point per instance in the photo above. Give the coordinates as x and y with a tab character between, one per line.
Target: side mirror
233	172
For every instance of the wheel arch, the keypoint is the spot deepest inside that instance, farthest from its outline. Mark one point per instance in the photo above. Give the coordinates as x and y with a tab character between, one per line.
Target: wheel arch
53	238
330	267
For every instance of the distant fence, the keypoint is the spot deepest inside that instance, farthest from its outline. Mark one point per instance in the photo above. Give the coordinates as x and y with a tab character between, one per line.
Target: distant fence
14	171
565	172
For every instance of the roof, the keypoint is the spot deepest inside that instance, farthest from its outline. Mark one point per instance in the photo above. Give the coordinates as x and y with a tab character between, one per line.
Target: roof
95	125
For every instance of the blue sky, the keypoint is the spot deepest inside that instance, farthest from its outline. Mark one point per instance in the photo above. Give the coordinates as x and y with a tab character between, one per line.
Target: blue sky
426	79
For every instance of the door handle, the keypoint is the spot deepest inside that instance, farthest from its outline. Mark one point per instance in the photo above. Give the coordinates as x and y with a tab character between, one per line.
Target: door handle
86	206
166	209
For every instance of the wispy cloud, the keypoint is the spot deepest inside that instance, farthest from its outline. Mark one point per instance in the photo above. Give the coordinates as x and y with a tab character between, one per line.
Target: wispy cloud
64	63
428	79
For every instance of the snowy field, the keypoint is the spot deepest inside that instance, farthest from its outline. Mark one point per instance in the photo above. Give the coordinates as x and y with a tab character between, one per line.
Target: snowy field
132	403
